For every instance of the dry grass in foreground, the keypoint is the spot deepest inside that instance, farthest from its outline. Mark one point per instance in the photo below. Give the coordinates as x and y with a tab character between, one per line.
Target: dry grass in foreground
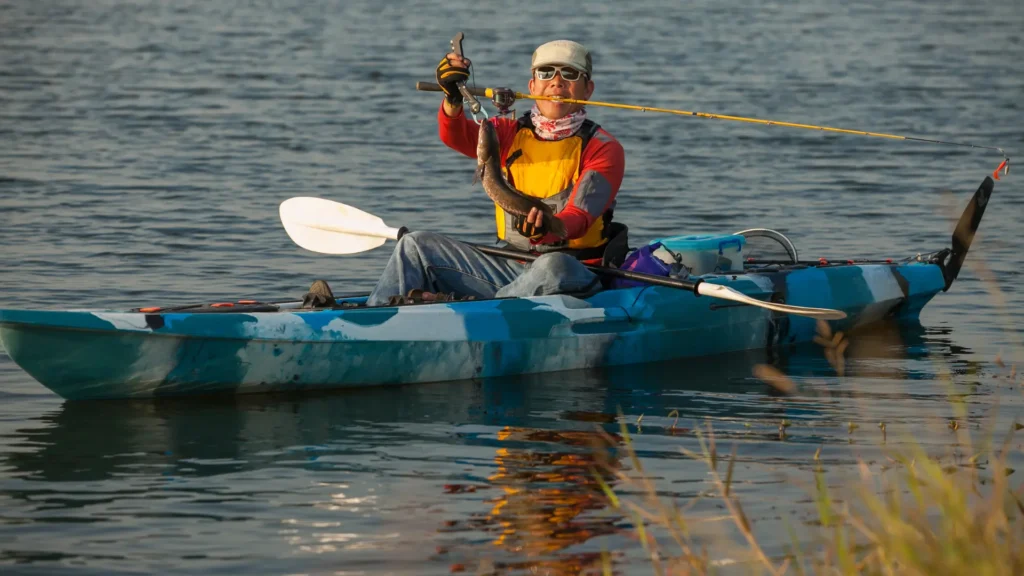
917	517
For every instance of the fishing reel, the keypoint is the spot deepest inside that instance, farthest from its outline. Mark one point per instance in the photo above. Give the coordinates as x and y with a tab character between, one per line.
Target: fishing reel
503	99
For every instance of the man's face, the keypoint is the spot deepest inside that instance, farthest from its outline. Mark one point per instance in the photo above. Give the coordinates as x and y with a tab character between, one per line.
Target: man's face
581	89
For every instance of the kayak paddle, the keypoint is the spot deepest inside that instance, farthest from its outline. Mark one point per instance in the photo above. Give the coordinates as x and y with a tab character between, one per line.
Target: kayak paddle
330	227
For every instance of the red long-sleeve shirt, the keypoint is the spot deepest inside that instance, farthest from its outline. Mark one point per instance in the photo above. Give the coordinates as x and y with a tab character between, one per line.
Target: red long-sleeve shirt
603	155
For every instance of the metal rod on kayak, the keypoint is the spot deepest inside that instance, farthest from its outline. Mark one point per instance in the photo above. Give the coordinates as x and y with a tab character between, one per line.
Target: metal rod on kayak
490	92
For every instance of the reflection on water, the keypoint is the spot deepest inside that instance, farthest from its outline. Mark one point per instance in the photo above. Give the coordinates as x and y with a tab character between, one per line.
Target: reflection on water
146	148
548	500
229	434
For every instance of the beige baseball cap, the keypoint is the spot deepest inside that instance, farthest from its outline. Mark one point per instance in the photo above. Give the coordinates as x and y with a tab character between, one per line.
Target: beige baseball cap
564	52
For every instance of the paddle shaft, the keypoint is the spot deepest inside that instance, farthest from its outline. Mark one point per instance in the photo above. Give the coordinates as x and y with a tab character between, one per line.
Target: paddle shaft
334	228
601	270
694	287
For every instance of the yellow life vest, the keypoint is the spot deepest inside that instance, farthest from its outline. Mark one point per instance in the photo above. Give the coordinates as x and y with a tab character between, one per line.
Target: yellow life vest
548	169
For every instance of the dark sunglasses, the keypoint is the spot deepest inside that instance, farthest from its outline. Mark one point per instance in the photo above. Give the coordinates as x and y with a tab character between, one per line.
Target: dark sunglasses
548	73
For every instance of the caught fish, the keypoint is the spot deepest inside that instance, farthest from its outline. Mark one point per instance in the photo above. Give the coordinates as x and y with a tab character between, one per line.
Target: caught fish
488	170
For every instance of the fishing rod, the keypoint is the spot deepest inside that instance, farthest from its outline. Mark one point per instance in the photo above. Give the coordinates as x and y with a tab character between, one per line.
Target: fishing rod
503	98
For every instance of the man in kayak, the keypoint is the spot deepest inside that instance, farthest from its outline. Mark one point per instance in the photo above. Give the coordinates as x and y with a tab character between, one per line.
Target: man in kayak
552	153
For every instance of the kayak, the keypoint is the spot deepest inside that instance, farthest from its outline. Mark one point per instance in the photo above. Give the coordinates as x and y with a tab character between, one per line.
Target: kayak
252	347
248	347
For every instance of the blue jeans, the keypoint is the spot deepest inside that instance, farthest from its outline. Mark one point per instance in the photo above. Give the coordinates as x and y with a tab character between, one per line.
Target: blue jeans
436	263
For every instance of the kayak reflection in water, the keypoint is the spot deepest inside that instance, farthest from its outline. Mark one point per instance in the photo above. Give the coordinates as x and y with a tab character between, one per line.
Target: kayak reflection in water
553	153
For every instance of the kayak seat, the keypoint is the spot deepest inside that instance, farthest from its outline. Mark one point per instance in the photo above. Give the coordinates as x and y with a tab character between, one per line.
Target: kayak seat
617	247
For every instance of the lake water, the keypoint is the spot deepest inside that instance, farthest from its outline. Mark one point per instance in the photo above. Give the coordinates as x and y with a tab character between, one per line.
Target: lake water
145	147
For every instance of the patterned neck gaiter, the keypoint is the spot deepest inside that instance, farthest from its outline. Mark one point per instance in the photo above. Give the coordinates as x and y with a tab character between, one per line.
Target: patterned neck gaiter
548	129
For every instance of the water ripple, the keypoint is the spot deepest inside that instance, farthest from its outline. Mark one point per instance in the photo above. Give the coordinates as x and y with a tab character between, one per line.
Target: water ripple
147	146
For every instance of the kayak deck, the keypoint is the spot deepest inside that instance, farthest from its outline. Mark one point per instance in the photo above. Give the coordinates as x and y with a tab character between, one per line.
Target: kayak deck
257	347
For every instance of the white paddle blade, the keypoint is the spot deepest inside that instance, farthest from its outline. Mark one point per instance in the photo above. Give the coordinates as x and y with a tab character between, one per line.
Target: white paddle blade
726	293
329	227
328	242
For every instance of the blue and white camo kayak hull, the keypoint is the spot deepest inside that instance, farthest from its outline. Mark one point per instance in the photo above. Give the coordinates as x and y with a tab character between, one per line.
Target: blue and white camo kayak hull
112	354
